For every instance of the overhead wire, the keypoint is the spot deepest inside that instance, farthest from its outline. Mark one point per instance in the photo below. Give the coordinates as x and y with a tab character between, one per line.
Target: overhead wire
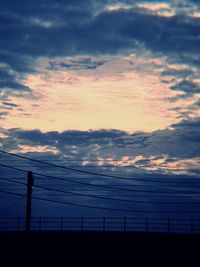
91	206
114	199
87	172
116	209
12	181
89	184
105	186
11	193
11	206
97	196
103	208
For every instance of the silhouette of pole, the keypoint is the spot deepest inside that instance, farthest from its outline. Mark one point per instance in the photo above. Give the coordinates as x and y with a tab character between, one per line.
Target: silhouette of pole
30	182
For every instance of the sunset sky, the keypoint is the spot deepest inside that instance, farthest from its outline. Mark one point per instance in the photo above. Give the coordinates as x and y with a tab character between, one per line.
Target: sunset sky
116	81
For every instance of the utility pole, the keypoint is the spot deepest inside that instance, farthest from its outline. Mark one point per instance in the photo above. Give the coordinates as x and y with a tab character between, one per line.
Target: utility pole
30	182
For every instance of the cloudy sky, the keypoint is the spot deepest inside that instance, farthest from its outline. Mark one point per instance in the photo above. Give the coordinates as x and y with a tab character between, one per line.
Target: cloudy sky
109	85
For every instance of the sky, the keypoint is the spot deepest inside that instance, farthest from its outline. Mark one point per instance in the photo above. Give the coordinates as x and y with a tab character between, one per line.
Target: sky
95	83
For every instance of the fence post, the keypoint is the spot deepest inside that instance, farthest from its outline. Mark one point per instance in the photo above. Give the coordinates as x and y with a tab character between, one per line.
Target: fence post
168	225
18	223
104	224
192	226
30	183
147	225
82	224
61	224
124	224
40	223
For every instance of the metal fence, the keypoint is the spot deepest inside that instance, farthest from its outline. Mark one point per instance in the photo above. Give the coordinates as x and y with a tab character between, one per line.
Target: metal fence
126	224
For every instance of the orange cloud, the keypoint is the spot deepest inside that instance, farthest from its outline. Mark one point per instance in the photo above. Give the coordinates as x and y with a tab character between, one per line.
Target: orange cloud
40	149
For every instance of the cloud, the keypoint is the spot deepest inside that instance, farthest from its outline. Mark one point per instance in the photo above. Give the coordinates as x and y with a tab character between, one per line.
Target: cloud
186	86
180	142
8	80
106	32
3	114
82	63
68	138
11	84
197	103
10	105
177	73
68	28
167	155
188	130
14	85
18	62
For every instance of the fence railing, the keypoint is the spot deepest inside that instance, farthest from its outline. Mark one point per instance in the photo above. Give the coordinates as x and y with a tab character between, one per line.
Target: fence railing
126	224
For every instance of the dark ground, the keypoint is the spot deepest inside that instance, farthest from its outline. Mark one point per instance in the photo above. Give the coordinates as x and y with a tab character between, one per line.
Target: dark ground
99	249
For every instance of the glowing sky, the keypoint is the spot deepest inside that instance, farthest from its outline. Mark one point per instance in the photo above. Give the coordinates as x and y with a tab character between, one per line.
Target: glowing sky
126	91
114	96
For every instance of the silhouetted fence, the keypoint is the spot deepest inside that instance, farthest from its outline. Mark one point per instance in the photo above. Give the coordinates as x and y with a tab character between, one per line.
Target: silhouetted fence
126	224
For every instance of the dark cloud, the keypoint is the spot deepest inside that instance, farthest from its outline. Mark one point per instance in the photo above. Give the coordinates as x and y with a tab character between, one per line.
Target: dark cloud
3	114
197	103
12	105
68	138
77	64
177	73
167	35
196	2
25	33
14	85
9	81
189	131
107	32
56	28
8	106
182	142
17	62
186	86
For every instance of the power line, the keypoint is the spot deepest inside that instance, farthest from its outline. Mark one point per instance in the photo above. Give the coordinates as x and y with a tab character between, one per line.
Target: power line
10	180
11	193
115	199
97	207
114	209
98	166
86	172
81	166
11	206
97	196
11	188
88	206
73	160
108	187
104	208
14	168
182	180
111	167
